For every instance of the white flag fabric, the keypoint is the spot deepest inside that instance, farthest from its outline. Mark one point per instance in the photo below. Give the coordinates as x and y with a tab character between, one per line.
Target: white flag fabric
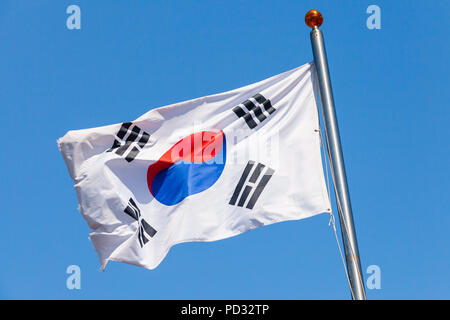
200	170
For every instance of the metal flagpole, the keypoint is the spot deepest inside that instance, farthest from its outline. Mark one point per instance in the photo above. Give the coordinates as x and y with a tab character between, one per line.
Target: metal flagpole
314	20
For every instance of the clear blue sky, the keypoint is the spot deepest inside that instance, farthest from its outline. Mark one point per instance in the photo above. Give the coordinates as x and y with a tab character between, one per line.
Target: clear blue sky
392	98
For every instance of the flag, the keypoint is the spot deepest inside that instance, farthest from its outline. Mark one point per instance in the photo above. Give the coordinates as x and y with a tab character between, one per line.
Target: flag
200	170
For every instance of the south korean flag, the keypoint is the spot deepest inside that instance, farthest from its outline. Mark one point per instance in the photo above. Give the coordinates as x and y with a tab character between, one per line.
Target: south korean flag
200	170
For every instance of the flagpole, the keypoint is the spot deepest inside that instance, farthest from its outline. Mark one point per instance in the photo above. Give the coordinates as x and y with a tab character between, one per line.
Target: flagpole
314	20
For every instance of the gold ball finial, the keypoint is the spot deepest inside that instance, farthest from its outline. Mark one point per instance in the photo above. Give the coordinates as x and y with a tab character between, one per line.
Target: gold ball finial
313	18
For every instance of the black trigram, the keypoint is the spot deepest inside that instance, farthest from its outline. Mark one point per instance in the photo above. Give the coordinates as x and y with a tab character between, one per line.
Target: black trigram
251	189
144	229
257	108
121	146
